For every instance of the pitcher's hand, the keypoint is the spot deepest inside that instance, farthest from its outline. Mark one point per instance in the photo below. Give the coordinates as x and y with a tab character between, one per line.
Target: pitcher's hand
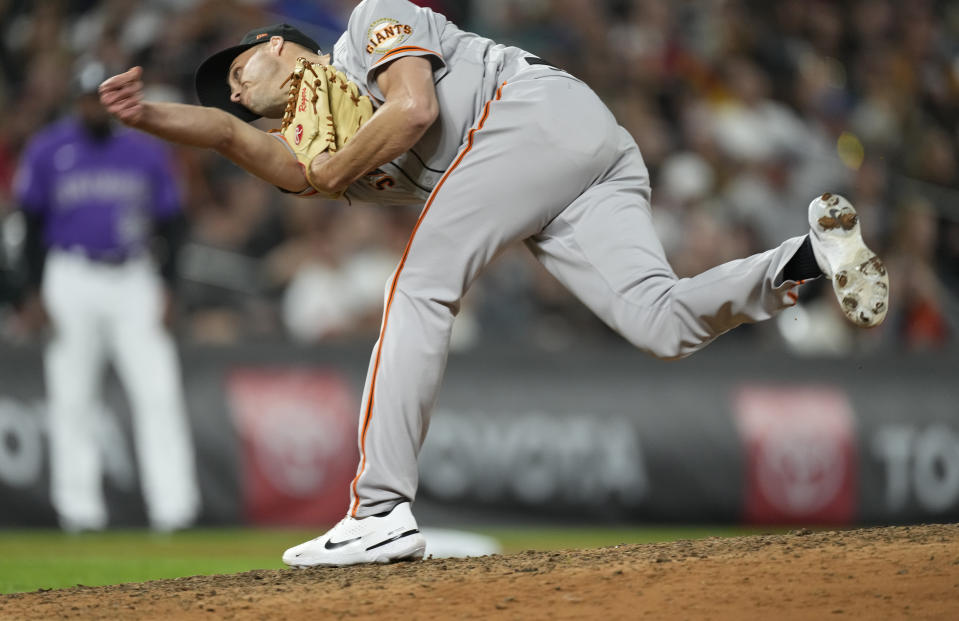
122	96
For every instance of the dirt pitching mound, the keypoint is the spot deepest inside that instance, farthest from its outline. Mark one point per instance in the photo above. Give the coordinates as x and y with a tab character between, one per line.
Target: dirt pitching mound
880	573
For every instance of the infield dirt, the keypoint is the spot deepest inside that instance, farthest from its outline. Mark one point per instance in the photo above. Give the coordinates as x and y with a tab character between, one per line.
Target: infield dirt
909	572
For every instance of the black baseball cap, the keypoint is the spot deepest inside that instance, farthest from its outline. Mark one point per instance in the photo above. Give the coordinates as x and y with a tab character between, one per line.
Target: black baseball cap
210	79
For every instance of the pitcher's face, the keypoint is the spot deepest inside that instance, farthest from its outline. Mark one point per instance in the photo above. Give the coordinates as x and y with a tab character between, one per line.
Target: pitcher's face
256	77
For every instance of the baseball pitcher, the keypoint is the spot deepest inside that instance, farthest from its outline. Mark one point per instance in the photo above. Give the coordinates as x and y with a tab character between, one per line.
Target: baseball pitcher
498	147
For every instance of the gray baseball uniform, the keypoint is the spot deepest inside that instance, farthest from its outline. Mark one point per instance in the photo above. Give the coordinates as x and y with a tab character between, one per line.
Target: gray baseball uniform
521	151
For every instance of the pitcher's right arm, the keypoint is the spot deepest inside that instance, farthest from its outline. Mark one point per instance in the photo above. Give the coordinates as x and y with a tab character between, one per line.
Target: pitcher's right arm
208	128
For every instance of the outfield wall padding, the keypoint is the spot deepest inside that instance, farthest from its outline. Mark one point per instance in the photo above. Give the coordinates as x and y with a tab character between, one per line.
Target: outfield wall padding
726	436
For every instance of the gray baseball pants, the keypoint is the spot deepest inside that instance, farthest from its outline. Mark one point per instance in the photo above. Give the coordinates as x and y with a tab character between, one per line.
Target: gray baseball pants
546	163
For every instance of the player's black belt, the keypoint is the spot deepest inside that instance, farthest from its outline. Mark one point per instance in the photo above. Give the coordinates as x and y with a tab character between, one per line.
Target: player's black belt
107	258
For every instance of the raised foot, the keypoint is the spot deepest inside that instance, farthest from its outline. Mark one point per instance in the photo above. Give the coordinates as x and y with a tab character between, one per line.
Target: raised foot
858	276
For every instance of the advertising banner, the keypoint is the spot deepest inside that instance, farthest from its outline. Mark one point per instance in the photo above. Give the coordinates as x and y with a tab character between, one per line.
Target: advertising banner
605	436
297	432
801	454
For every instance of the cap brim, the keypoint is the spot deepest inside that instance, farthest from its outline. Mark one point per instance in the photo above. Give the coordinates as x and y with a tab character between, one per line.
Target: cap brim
211	85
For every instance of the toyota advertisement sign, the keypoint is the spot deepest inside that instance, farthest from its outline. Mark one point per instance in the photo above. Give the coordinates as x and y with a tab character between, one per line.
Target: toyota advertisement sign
614	436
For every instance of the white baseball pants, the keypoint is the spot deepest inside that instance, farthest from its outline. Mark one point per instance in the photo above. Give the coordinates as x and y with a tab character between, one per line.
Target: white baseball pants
100	312
546	163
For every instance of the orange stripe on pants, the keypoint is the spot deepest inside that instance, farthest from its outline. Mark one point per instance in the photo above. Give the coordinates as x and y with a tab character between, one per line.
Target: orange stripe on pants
368	415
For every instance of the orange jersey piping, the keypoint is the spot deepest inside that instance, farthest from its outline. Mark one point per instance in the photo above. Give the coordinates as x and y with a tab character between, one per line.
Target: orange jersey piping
407	48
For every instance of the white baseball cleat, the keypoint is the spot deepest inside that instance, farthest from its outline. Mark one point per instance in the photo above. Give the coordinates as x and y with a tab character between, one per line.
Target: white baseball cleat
377	539
858	276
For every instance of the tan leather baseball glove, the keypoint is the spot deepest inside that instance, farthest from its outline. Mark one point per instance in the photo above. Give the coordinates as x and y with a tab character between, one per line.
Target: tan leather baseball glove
324	110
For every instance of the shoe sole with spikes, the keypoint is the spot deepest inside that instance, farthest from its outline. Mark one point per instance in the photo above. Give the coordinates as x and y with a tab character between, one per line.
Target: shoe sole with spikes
858	276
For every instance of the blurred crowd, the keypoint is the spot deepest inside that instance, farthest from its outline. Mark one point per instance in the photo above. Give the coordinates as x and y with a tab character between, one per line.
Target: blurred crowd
744	111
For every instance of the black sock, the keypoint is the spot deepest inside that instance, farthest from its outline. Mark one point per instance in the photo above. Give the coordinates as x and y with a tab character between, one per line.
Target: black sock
802	265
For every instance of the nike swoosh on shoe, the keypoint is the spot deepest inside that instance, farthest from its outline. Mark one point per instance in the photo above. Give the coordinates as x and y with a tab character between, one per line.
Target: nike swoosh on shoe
330	545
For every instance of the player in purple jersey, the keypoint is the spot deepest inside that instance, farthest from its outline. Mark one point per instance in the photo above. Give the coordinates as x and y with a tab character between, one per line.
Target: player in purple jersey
93	195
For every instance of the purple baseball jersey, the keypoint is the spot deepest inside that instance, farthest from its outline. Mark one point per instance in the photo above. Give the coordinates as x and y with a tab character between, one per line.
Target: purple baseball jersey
97	196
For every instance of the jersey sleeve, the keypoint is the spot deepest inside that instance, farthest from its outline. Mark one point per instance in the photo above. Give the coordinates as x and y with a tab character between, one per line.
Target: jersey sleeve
32	183
382	31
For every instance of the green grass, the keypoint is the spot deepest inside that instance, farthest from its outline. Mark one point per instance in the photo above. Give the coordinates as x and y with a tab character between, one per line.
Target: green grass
48	559
33	559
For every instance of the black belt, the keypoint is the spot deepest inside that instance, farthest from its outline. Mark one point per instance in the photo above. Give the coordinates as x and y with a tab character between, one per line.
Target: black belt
108	258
